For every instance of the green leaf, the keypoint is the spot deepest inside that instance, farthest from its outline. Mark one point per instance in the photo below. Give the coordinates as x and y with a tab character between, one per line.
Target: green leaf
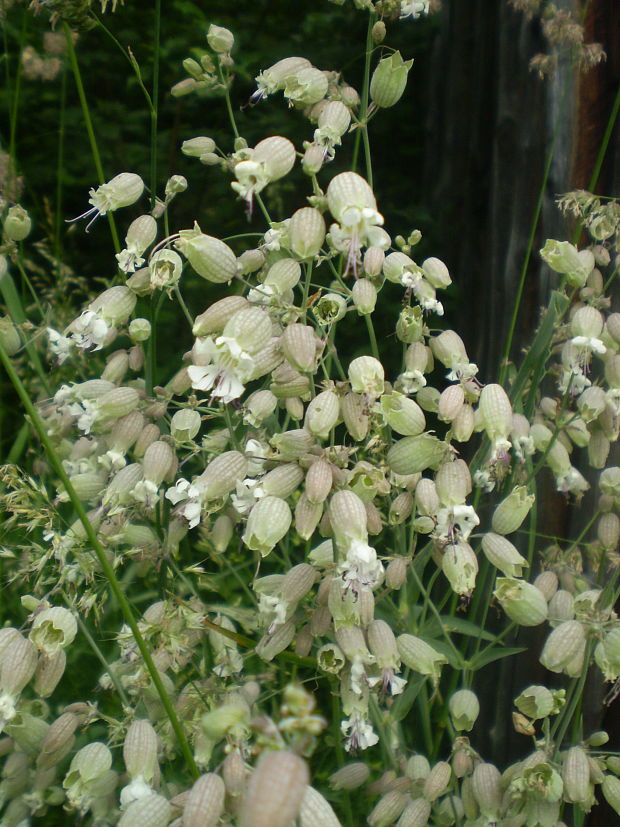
402	705
492	653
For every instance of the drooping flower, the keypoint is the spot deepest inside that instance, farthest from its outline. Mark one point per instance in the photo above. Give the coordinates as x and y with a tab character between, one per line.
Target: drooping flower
121	191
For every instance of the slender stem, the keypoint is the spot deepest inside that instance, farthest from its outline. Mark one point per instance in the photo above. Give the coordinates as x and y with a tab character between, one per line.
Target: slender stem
15	99
364	105
306	290
229	109
59	167
88	123
155	100
371	334
106	566
183	306
98	653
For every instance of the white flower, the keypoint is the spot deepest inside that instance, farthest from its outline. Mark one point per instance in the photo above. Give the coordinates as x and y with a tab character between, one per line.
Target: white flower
588	344
121	191
571	481
90	330
462	370
134	791
85	412
454	522
411	381
190	494
361	567
222	367
359	733
413	8
146	492
59	345
247	493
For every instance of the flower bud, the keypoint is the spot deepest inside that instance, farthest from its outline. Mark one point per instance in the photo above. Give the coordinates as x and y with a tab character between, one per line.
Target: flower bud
611	790
414	454
49	672
139	331
217	315
547	583
366	376
185	424
464	709
205	802
512	510
17	224
437	782
282	481
299	345
53	629
58	741
501	553
415	814
364	295
140	750
436	272
291	445
150	434
157	462
487	791
267	524
349	777
348	517
211	258
315	811
453	482
322	414
114	305
307	86
576	776
495	411
307	516
9	336
389	80
378	32
275	790
19	661
563	257
401	508
319	481
196	147
402	414
306	232
451	403
522	602
387	809
354	415
165	268
220	39
396	572
564	645
419	656
152	810
222	474
460	565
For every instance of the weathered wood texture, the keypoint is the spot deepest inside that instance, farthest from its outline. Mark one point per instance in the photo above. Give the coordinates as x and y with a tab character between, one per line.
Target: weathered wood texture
491	125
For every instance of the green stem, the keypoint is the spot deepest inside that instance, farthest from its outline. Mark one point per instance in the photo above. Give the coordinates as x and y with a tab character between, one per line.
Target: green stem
371	335
183	306
229	109
364	105
155	100
106	566
88	123
98	653
59	176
